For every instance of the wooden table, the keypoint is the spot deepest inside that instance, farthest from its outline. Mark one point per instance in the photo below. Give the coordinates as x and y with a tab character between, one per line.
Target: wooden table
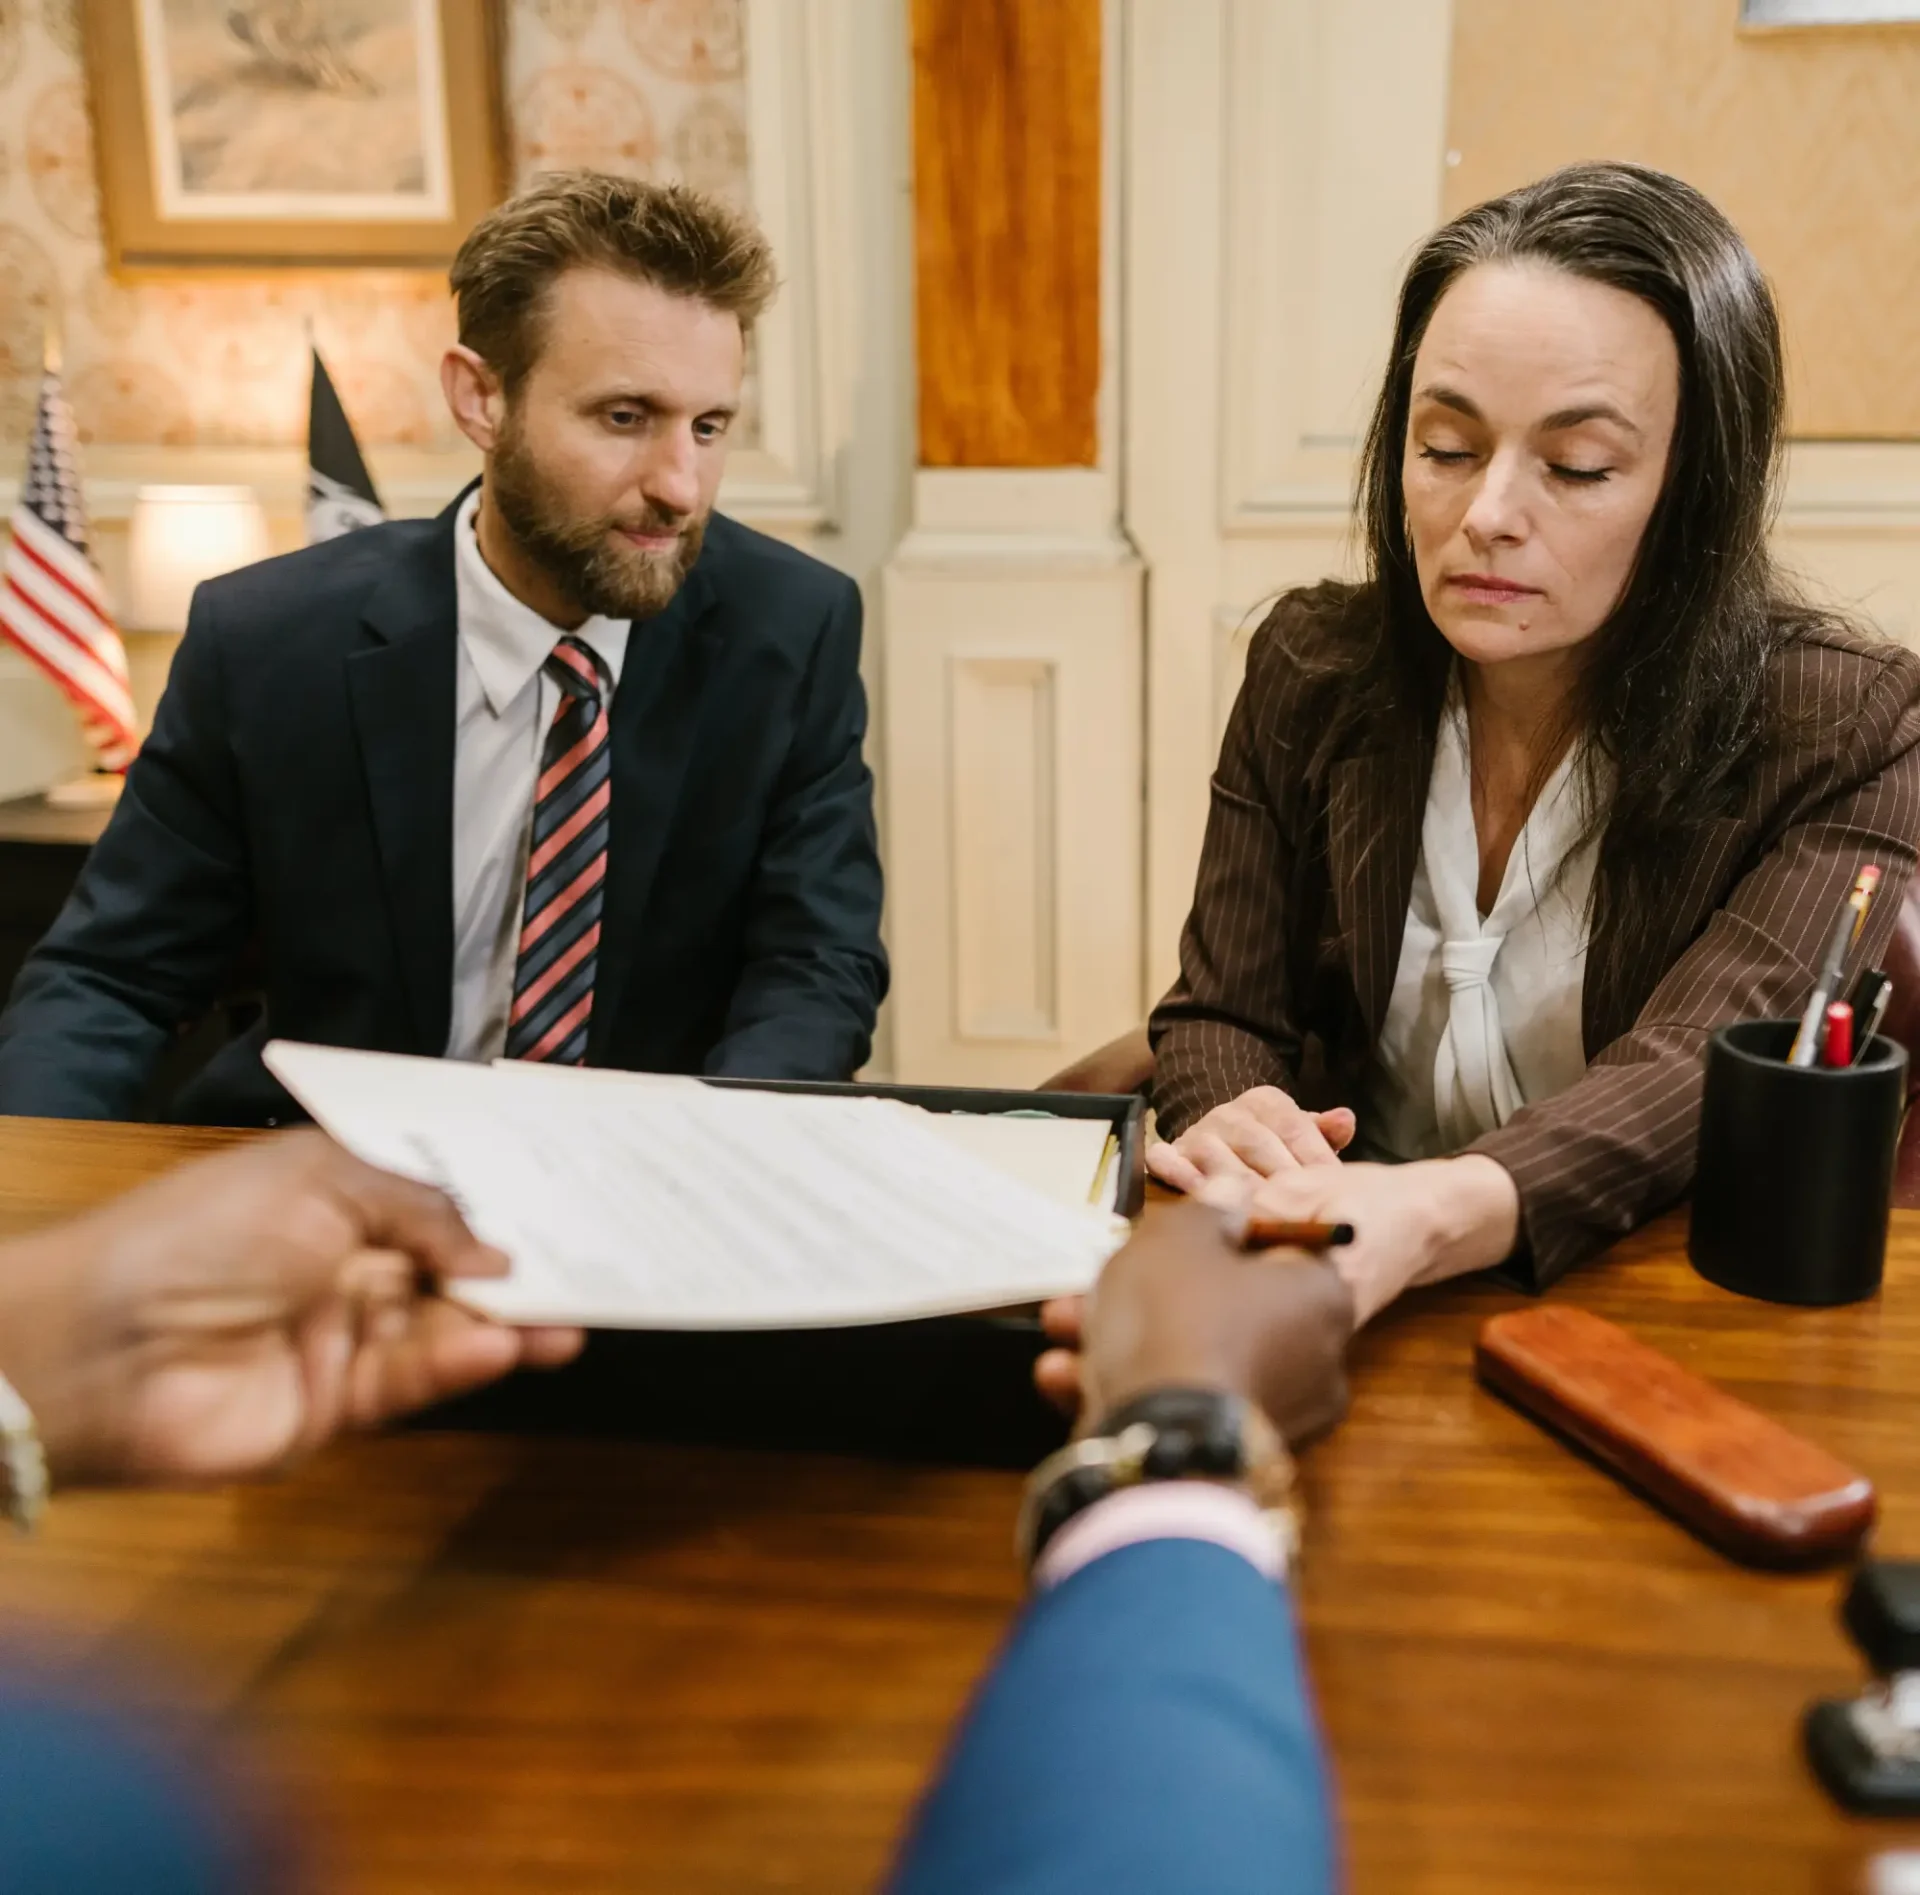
495	1662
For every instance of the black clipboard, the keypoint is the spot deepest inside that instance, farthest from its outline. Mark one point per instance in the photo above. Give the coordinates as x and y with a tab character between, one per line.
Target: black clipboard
952	1389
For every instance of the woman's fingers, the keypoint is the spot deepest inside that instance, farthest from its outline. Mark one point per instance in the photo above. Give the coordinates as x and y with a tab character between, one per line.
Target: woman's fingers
1271	1131
1261	1150
1337	1127
1299	1132
1261	1134
1174	1168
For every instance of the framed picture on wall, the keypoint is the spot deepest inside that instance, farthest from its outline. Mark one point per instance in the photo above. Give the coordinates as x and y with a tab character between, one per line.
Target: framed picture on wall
307	132
1828	12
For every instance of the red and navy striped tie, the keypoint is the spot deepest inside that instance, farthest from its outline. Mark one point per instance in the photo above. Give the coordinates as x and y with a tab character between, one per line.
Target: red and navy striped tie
566	867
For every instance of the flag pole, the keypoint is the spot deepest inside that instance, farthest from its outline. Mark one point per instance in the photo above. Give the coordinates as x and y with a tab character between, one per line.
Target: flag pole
50	345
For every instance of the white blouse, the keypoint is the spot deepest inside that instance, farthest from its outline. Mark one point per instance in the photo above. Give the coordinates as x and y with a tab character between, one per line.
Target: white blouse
1485	1011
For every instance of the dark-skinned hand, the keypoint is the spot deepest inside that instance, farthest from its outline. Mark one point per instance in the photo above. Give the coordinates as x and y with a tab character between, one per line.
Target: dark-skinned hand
238	1311
1182	1304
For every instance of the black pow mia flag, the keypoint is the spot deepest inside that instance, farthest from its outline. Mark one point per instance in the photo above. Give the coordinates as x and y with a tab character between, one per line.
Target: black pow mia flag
340	491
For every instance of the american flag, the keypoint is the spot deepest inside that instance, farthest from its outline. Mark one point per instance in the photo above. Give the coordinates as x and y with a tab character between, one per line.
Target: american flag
52	605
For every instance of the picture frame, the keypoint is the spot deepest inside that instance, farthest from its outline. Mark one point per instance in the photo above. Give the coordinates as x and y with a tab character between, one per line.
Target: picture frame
1769	15
253	133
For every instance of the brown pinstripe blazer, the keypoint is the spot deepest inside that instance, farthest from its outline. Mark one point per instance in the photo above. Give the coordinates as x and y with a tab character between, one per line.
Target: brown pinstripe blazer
1288	957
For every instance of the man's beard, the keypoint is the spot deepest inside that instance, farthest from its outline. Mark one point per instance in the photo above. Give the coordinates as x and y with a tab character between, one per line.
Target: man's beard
587	559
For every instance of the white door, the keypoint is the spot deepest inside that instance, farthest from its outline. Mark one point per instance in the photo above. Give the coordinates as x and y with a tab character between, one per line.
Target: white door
1281	160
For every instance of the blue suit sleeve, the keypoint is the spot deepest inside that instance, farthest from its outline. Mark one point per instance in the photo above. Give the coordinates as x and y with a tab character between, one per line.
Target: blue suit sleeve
1145	1732
159	913
86	1804
815	971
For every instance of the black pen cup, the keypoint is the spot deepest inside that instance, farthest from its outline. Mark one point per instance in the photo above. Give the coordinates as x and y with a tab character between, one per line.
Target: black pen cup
1795	1174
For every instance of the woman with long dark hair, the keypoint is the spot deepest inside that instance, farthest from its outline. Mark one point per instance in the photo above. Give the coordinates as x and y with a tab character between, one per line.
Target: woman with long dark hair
1503	832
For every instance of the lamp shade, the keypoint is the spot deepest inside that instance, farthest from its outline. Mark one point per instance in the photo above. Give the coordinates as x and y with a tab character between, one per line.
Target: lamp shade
179	536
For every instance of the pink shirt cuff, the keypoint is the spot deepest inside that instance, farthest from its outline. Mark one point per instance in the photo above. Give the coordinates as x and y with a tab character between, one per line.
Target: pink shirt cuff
1162	1510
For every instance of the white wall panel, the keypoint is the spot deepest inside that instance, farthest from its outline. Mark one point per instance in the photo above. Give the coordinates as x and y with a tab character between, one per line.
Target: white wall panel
1013	769
1003	747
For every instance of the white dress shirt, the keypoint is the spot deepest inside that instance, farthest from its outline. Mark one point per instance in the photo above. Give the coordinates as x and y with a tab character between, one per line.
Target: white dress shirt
1163	1510
1485	1011
504	705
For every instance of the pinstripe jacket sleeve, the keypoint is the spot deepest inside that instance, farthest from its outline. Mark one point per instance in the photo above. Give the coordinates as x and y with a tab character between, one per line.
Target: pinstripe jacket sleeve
1288	953
1301	899
1597	1160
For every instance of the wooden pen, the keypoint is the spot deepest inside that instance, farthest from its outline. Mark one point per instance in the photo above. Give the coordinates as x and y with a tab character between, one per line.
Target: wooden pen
1269	1233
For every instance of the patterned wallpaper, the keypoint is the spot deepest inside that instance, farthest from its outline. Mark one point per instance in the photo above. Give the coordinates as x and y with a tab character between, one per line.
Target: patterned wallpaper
653	88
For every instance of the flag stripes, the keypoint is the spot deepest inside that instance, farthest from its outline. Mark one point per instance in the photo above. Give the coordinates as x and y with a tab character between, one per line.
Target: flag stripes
53	608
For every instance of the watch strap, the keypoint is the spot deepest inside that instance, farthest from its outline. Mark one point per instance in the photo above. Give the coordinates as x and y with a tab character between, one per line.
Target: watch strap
1166	1434
23	1462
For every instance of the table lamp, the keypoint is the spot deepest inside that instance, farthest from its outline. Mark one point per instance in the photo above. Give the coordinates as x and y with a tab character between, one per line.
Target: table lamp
179	536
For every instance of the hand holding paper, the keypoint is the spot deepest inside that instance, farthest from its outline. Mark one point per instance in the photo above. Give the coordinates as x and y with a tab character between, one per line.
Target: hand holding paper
634	1201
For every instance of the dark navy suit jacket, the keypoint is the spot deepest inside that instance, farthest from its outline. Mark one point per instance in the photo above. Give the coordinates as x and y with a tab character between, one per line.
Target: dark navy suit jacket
1145	1732
293	808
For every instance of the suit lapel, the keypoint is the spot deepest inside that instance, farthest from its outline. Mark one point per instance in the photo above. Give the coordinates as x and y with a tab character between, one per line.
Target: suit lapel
656	715
402	689
1375	805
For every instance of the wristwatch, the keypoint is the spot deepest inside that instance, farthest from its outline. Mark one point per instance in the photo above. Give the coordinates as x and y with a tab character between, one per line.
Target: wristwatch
1166	1434
23	1464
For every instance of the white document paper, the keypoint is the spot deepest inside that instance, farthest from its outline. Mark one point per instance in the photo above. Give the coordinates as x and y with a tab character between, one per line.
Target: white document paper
1060	1158
640	1202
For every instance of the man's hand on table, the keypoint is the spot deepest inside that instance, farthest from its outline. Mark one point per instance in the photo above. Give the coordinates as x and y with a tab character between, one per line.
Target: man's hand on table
1182	1305
241	1310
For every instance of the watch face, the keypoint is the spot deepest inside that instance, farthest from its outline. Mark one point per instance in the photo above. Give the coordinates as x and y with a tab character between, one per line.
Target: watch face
1198	1431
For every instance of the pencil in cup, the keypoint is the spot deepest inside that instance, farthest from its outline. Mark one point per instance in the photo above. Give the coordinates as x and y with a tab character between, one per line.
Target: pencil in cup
1852	917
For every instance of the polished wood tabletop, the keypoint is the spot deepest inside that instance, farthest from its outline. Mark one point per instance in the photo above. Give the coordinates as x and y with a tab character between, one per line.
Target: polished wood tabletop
495	1661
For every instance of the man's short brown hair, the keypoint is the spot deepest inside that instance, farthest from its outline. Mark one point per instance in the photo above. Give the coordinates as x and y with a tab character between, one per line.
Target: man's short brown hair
677	239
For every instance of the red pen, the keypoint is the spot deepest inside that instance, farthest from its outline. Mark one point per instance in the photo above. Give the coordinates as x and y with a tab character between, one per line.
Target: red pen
1836	1048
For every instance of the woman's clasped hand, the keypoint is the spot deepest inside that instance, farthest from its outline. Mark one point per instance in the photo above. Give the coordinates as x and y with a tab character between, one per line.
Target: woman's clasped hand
1254	1136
